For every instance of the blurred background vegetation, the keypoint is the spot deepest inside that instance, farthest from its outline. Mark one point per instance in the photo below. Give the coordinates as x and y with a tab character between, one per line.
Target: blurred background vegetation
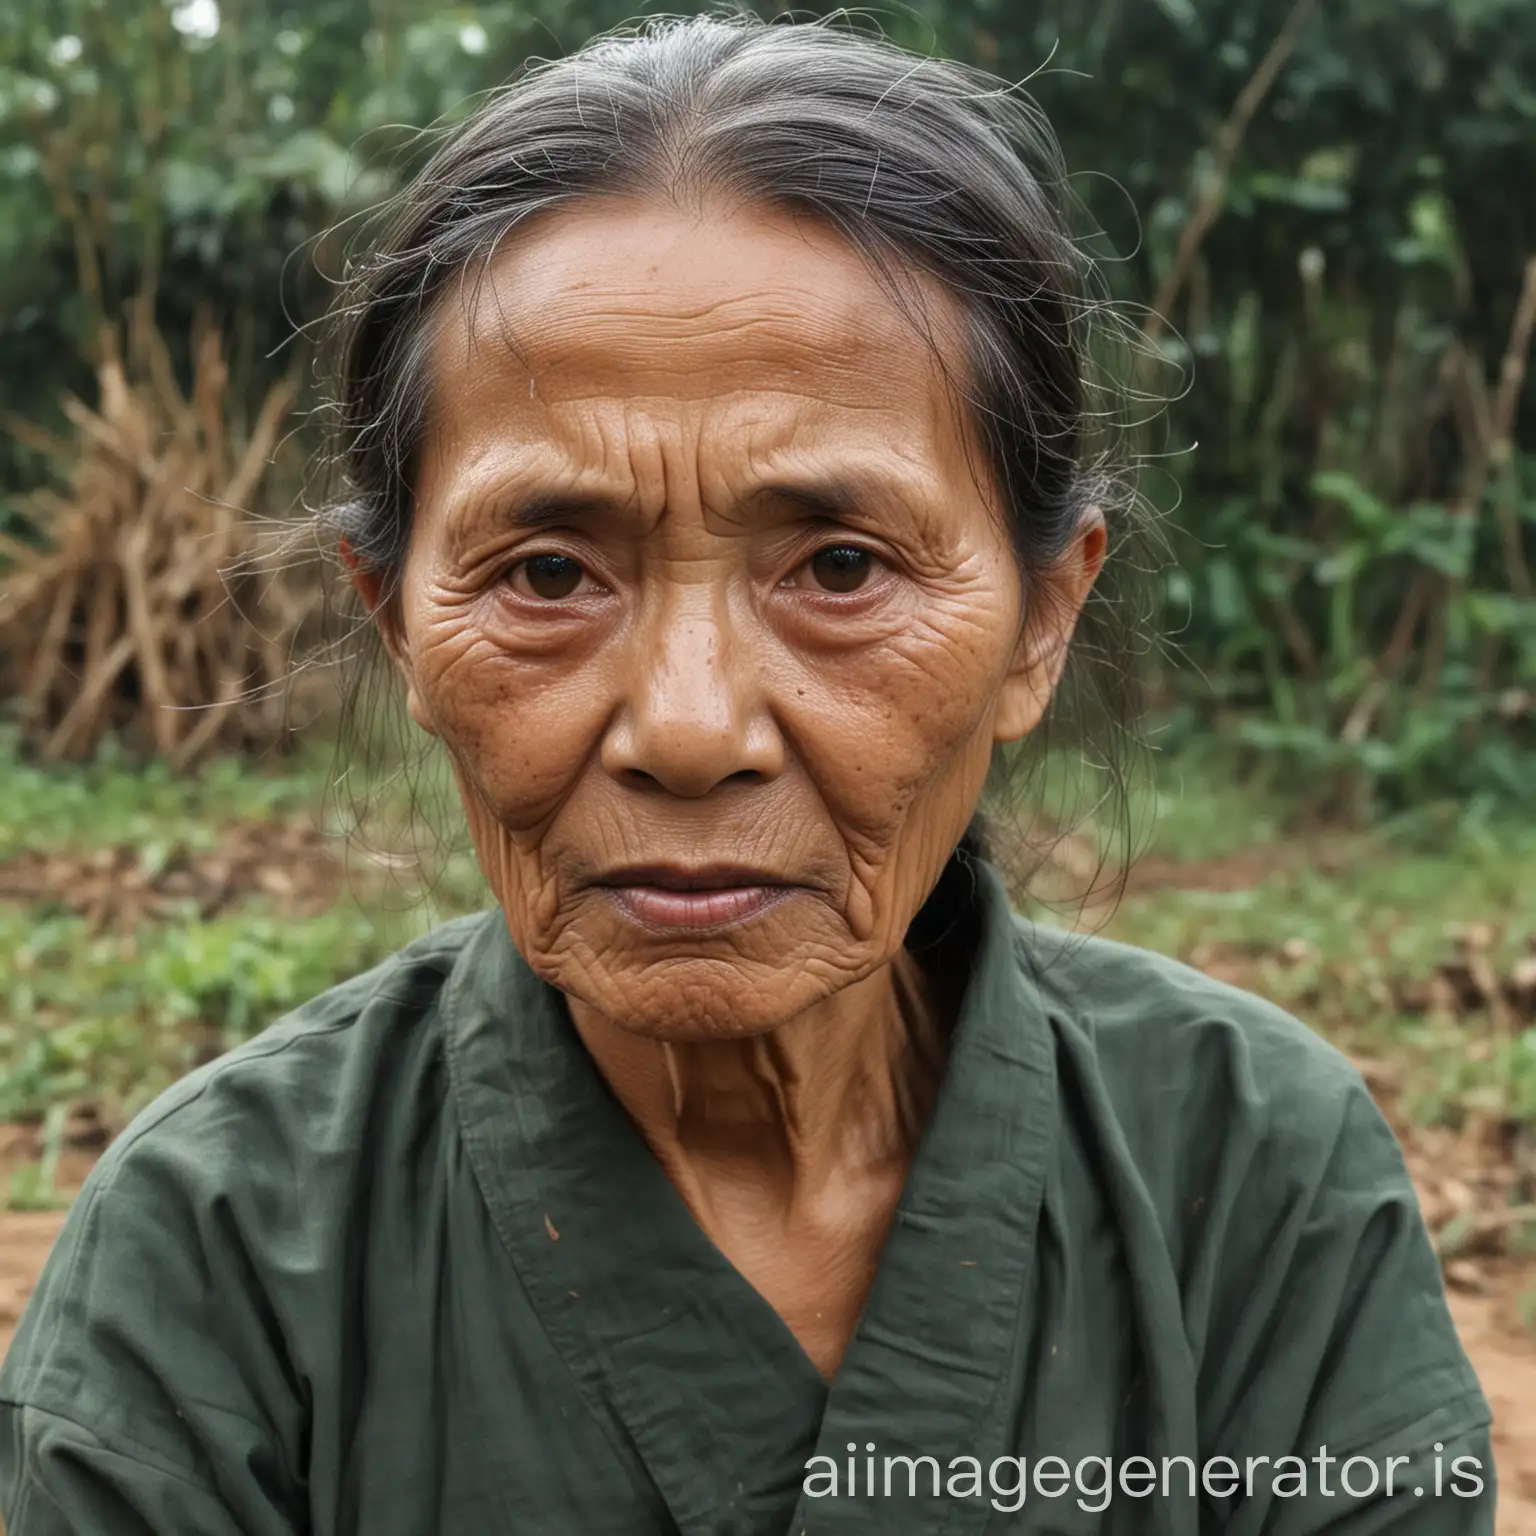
1334	205
1327	209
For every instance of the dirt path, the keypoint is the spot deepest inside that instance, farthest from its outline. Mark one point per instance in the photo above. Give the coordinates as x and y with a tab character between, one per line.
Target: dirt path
25	1238
1505	1356
1503	1351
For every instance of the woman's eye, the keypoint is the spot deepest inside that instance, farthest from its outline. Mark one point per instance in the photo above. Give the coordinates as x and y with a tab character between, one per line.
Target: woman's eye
841	567
550	577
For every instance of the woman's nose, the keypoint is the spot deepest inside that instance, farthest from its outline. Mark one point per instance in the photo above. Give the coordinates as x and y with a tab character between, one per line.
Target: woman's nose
693	715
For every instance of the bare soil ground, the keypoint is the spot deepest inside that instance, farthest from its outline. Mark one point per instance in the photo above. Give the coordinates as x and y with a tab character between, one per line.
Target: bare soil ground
1504	1353
114	890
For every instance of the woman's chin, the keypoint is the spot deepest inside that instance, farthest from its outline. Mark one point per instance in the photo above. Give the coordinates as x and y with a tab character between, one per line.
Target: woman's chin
698	997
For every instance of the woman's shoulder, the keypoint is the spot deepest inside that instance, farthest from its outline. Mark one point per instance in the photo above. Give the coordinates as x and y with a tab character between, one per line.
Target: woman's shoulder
1200	1085
257	1166
1250	1170
239	1202
1145	1018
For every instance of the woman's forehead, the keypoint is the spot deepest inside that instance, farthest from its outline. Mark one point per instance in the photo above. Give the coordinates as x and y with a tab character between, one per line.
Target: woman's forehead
650	301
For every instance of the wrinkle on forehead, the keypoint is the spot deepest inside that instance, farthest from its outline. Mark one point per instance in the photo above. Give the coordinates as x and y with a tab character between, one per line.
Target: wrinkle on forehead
685	304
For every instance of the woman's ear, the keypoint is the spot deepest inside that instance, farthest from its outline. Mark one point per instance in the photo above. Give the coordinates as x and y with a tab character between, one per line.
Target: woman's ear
369	585
1041	654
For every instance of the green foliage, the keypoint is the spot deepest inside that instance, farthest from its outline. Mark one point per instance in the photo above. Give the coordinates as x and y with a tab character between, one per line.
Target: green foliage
74	808
34	1186
203	151
116	1018
1310	619
1329	473
1335	929
1346	930
1342	327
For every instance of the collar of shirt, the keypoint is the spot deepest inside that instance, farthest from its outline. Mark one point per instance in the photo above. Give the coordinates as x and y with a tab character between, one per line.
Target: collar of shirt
692	1371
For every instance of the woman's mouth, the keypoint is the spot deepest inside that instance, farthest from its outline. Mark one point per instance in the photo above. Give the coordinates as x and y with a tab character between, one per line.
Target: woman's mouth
673	898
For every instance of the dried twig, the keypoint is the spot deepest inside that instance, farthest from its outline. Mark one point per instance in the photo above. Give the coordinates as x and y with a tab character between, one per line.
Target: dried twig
138	617
1506	406
1486	424
1229	139
1462	1231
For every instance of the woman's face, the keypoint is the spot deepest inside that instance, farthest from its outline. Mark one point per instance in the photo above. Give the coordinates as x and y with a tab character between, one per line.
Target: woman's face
709	609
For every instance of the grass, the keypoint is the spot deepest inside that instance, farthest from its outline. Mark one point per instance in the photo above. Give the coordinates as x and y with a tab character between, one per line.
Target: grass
1347	931
114	1018
111	802
1344	928
111	1018
1348	952
35	1186
1337	927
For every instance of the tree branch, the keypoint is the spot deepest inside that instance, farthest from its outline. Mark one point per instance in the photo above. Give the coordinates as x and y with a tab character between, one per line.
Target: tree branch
1229	139
1506	405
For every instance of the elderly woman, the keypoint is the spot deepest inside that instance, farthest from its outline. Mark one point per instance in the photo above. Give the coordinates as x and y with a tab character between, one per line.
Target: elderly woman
717	430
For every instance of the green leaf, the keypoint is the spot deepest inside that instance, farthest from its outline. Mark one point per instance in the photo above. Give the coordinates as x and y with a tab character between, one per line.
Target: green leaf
1365	509
1341	565
1297	192
1181	12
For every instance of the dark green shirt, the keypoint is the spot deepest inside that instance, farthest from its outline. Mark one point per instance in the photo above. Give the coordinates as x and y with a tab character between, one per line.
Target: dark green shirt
403	1267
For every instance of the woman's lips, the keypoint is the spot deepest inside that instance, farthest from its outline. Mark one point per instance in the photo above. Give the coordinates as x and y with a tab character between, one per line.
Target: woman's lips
694	901
659	908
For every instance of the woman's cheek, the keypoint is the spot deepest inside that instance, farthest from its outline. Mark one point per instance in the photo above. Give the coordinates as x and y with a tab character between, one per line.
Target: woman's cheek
520	735
878	727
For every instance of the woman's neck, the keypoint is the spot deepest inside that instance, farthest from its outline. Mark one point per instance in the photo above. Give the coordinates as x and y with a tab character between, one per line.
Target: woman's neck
792	1149
840	1091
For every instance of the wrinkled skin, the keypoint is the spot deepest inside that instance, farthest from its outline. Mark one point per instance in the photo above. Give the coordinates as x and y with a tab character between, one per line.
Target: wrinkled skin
688	409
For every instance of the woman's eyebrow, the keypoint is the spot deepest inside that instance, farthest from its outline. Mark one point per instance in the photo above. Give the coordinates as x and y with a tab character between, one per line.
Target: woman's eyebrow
858	496
832	499
550	509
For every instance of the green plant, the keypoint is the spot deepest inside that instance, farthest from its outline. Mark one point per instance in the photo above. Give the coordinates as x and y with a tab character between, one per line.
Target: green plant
115	1018
112	801
1320	194
34	1186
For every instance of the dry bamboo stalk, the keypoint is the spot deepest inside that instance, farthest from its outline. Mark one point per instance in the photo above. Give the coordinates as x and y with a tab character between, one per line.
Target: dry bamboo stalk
158	695
98	632
88	701
1487	425
1512	369
31	435
142	614
264	436
1505	409
211	719
1486	428
51	653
